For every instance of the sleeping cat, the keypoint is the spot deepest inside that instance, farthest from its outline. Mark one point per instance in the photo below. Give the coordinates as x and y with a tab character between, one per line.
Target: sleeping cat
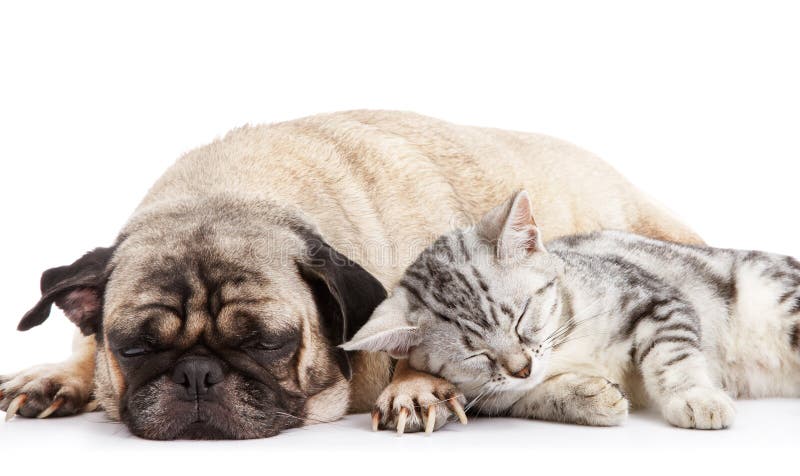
575	330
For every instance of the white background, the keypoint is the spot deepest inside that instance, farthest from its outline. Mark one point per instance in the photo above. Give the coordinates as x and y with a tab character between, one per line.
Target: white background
698	103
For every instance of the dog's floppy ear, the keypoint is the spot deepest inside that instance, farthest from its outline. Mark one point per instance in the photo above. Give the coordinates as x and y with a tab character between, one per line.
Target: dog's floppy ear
345	293
77	289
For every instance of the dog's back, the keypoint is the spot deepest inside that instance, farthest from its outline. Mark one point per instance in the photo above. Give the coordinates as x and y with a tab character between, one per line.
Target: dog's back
397	179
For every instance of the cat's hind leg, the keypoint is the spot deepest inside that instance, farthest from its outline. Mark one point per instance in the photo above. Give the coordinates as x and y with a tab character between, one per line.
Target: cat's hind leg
574	398
675	370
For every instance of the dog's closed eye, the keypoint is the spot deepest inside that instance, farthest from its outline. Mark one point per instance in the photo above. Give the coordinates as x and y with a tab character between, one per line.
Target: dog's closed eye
131	352
265	345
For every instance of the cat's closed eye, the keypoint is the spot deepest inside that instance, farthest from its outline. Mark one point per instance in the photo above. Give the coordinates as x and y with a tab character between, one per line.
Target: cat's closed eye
478	354
521	335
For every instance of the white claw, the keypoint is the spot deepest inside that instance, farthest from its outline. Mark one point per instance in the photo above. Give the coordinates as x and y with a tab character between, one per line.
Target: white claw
401	421
15	405
431	419
52	408
459	411
376	419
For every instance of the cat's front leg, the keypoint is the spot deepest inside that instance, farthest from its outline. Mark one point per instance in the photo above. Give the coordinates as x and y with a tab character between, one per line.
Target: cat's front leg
574	398
676	373
415	400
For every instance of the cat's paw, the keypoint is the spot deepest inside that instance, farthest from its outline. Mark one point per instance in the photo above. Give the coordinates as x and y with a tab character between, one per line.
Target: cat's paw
601	402
574	398
46	390
701	408
418	402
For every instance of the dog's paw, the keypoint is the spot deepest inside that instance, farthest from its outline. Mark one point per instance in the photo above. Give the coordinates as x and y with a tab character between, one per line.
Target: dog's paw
418	402
701	408
600	402
46	390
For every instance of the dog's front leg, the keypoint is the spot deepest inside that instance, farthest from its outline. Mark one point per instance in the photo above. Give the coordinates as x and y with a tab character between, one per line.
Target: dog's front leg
60	389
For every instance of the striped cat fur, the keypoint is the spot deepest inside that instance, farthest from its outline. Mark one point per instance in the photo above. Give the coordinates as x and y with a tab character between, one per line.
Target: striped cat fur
589	325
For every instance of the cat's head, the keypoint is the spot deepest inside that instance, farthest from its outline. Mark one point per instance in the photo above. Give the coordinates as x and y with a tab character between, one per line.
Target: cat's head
477	306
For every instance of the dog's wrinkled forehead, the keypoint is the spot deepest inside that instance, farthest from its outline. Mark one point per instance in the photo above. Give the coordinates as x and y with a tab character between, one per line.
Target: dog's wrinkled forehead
201	281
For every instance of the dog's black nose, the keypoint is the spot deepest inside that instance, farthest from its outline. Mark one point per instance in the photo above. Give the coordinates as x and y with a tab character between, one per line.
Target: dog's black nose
197	375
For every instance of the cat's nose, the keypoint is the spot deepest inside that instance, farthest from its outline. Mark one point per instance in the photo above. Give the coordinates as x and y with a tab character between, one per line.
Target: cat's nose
519	367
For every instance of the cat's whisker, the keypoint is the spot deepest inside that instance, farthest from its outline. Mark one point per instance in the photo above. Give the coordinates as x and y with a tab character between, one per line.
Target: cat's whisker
303	419
497	390
483	397
484	391
571	338
576	318
476	401
435	402
483	403
472	402
571	326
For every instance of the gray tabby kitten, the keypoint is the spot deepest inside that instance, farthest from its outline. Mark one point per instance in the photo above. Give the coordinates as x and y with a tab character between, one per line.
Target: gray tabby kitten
571	332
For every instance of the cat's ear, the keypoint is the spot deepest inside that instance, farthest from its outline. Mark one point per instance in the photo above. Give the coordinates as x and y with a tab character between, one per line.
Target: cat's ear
389	329
511	227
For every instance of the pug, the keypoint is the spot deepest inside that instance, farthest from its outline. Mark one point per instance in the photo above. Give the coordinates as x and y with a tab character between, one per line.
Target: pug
218	311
